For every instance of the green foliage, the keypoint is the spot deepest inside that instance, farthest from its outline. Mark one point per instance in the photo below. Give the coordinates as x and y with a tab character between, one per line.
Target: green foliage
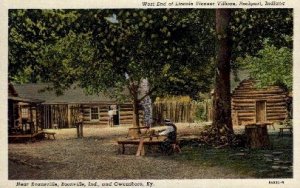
96	49
250	27
201	111
66	62
271	66
29	32
173	48
253	164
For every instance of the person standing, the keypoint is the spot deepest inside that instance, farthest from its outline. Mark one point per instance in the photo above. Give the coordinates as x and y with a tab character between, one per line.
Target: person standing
110	117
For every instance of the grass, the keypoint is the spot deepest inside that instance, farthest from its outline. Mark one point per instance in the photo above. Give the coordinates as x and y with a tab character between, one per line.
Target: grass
252	164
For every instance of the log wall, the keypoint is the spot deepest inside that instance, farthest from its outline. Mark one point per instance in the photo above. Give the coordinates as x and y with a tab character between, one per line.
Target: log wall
65	115
244	99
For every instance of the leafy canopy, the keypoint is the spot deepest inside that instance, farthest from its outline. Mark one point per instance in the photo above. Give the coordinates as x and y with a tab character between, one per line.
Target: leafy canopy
173	48
271	66
107	50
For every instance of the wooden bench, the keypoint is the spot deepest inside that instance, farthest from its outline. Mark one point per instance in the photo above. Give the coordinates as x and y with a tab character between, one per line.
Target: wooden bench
145	141
137	142
281	130
48	134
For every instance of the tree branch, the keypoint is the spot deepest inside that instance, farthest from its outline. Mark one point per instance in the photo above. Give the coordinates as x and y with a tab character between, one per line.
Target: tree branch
148	93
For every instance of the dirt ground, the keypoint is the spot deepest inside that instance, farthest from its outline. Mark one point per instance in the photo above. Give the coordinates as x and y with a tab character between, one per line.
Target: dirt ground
96	156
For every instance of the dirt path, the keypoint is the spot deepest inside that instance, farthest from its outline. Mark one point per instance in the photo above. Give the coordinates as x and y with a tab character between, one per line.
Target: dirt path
96	157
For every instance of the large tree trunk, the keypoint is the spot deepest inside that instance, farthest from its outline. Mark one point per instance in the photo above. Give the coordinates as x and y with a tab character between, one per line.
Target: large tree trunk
222	99
136	122
135	132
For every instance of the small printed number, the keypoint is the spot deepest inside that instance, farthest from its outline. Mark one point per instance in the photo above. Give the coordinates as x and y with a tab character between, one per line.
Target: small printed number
276	182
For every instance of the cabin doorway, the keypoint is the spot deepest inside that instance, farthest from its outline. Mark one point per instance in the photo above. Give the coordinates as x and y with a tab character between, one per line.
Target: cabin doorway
116	117
261	111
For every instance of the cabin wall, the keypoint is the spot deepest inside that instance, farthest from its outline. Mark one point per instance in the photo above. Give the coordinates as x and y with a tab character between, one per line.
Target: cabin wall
66	115
54	114
245	100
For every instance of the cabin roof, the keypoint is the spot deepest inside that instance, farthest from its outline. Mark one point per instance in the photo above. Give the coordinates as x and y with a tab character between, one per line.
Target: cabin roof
25	100
12	91
75	95
236	80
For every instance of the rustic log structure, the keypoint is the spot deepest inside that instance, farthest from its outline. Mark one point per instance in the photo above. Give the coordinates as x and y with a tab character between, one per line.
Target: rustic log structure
60	111
23	116
251	105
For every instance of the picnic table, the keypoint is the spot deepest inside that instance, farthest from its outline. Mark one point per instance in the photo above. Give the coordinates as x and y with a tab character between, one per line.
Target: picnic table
287	124
148	137
133	131
141	142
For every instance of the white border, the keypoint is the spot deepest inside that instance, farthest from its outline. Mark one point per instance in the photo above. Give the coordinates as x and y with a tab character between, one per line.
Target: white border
107	4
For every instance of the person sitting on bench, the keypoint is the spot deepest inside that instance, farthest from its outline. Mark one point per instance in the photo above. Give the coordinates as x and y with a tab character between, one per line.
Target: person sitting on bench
171	133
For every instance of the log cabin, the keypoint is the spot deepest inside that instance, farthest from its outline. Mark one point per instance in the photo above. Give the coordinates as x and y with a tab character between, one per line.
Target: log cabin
61	111
252	105
23	115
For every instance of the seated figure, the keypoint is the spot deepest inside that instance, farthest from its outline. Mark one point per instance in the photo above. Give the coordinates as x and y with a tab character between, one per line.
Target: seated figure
171	134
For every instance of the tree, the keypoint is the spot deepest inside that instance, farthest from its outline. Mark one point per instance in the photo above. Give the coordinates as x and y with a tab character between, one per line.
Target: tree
250	27
139	44
271	66
28	32
222	99
113	50
238	37
172	48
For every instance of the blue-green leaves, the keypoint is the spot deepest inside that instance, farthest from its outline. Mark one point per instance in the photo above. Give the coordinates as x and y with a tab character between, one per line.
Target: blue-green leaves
271	66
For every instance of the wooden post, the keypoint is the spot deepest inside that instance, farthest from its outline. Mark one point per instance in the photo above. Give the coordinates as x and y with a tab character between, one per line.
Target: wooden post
69	116
77	128
257	135
81	130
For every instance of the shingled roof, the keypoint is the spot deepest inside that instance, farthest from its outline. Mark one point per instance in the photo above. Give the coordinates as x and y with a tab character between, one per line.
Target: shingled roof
73	95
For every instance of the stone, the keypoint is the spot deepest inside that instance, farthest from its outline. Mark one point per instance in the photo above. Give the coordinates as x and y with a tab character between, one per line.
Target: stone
287	162
284	167
277	153
263	171
269	160
276	167
280	162
268	155
237	155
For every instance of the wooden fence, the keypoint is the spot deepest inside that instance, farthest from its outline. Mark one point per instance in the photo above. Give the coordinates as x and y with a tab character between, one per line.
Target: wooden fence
54	114
184	112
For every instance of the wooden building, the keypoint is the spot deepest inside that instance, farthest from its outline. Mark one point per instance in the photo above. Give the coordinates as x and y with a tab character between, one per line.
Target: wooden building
23	115
62	111
251	105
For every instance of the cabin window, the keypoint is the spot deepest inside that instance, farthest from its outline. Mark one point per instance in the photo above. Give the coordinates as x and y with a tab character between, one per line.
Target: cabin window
94	114
24	112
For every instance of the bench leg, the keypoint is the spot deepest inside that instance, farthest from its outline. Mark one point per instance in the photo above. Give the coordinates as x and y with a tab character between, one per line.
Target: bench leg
123	149
140	148
143	151
176	148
